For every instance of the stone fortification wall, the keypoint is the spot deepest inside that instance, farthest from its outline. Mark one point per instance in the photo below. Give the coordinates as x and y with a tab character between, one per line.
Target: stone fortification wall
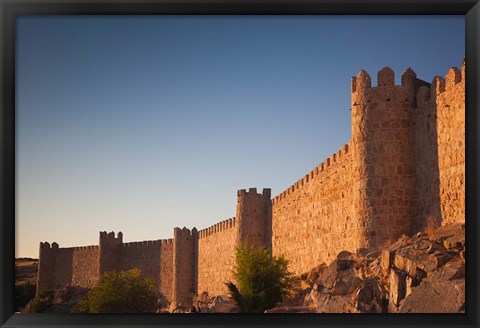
110	251
73	266
216	255
404	164
254	212
85	266
144	255
184	257
427	193
382	135
313	219
62	274
440	149
166	268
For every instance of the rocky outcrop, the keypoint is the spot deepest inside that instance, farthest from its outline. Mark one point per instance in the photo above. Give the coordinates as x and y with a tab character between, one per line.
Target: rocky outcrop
214	304
424	273
345	286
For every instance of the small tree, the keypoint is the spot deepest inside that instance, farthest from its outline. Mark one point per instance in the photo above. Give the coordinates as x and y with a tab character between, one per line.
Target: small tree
120	292
263	280
42	302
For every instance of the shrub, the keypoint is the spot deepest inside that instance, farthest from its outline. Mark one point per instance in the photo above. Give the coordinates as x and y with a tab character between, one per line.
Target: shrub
262	280
120	292
42	302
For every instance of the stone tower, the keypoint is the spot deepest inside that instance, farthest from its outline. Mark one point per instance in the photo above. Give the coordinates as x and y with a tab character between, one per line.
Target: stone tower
110	251
254	217
185	243
46	266
382	135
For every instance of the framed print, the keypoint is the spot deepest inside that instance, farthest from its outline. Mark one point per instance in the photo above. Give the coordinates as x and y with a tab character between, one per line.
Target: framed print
275	163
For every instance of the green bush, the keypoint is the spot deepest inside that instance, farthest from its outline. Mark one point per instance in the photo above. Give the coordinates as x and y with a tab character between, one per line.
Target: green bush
23	294
120	292
262	280
41	303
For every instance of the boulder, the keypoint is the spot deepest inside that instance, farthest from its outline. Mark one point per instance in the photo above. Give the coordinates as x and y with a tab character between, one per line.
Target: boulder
421	273
397	286
442	292
328	303
344	264
370	297
345	255
222	304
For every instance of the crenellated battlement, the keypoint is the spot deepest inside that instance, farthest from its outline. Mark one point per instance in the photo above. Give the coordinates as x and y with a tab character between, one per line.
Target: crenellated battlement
45	245
55	246
253	191
184	232
318	171
362	83
84	248
217	227
442	85
403	164
147	243
110	238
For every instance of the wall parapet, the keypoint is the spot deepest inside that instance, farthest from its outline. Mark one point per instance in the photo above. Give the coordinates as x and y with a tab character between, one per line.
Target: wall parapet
385	78
146	243
244	192
326	210
217	227
442	85
54	245
316	172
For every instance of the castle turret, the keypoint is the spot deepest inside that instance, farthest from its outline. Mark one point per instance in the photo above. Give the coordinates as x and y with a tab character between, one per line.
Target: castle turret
185	251
110	251
382	138
254	217
46	267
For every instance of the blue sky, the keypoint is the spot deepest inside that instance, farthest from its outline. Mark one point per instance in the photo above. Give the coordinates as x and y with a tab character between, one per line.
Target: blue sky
140	124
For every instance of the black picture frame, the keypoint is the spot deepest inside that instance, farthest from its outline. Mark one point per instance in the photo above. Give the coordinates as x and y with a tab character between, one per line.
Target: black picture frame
9	9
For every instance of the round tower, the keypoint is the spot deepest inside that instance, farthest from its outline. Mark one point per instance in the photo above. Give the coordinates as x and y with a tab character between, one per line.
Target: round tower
254	217
382	138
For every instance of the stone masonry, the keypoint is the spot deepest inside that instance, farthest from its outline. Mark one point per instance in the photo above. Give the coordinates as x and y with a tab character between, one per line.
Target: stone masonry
404	165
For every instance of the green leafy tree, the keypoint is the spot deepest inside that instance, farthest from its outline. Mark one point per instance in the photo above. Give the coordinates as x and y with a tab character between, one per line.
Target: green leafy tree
120	292
262	279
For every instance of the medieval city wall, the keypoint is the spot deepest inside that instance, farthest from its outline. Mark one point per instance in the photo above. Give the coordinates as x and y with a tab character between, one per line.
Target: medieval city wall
184	265
85	266
166	268
383	150
144	255
73	266
312	220
404	165
80	266
216	255
62	274
441	165
427	200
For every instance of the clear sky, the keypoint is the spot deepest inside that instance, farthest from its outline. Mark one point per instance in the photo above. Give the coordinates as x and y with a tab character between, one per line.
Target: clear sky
140	124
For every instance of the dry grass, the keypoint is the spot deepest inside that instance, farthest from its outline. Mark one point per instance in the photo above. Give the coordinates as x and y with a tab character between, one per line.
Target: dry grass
26	271
25	263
